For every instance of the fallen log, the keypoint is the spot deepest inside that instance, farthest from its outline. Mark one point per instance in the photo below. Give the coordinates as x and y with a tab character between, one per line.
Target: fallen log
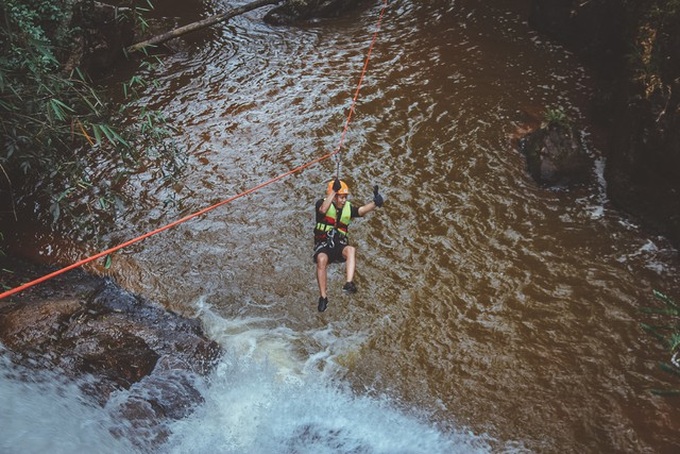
200	24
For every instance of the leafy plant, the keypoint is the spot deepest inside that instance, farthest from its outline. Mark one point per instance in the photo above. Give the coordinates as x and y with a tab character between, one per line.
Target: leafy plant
44	113
556	116
653	40
137	13
55	124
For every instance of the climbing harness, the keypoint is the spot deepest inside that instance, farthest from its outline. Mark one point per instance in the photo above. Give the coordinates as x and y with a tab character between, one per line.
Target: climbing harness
329	242
326	156
334	227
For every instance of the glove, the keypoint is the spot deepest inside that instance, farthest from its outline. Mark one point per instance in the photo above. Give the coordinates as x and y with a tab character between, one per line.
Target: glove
377	198
336	185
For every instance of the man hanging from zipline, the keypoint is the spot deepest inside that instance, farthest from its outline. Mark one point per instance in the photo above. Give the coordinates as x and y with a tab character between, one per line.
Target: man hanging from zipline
331	237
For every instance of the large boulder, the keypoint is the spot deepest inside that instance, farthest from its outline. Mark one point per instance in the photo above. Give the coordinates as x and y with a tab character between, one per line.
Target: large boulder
555	155
128	354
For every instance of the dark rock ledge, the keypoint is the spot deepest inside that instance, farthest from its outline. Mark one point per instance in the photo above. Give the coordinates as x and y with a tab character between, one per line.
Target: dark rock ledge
92	332
634	49
296	11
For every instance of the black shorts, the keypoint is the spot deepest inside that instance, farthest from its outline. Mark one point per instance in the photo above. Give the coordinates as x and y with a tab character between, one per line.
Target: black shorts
334	254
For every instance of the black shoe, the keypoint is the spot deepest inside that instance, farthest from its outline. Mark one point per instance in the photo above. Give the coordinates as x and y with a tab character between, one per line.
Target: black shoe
323	302
349	287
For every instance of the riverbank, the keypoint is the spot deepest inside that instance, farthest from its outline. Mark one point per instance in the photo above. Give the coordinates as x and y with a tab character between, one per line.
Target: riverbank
633	49
88	330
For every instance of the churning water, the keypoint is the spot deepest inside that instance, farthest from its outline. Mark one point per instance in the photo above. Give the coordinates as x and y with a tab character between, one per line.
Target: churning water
260	399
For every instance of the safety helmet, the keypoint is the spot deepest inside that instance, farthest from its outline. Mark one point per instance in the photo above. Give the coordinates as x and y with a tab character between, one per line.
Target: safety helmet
344	189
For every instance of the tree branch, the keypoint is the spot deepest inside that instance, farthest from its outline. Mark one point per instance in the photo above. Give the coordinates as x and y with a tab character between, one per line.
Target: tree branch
200	24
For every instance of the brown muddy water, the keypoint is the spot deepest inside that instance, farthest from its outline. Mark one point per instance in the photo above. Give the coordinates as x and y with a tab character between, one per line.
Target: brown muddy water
486	303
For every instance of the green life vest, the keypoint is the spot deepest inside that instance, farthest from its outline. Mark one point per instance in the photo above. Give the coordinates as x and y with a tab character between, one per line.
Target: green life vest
331	221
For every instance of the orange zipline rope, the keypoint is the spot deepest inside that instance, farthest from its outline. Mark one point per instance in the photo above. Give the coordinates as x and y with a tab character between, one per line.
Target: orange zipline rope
223	202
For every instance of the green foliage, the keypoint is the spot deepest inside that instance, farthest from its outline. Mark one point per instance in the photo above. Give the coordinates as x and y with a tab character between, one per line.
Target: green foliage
556	116
139	12
3	285
54	123
43	111
661	10
655	27
669	334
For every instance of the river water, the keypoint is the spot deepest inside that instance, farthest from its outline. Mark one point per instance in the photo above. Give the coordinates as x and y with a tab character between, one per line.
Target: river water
493	315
